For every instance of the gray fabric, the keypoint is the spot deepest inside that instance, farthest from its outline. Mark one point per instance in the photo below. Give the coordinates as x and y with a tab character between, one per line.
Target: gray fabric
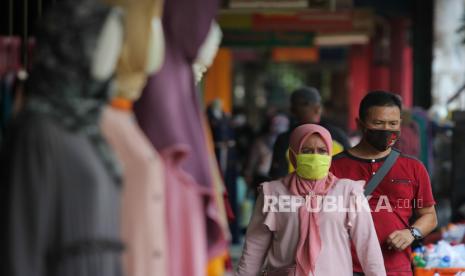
63	207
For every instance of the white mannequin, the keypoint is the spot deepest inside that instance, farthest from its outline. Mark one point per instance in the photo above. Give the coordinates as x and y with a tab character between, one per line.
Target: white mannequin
156	53
143	48
207	51
108	47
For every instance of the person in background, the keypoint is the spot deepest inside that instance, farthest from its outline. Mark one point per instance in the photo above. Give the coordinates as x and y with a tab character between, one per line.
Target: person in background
404	190
226	155
311	240
244	134
307	108
410	143
261	154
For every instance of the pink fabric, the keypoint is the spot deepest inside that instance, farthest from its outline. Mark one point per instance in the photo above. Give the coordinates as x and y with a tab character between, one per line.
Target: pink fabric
272	237
309	246
185	218
143	195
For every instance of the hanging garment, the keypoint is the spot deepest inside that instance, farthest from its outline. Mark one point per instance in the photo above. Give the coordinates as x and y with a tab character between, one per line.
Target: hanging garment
187	251
169	111
143	199
63	206
9	65
61	182
6	101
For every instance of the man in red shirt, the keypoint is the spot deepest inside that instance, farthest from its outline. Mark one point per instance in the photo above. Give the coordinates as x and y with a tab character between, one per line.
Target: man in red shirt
405	189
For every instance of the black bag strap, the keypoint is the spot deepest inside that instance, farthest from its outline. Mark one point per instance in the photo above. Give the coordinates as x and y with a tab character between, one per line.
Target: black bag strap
340	155
382	172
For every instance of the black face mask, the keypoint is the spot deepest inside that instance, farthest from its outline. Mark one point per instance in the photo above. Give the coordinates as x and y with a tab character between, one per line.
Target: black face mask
381	139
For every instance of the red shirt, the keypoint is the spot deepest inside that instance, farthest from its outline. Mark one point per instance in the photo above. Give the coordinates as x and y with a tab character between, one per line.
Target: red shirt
406	186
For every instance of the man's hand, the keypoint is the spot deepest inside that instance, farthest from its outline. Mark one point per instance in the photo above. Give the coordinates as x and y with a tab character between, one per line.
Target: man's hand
400	239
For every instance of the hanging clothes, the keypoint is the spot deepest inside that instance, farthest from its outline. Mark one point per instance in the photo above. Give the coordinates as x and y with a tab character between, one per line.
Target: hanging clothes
60	178
6	101
143	195
187	252
170	115
9	66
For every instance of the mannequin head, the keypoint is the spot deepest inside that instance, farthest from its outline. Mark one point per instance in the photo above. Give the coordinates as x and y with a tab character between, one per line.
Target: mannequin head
143	47
78	47
74	62
207	51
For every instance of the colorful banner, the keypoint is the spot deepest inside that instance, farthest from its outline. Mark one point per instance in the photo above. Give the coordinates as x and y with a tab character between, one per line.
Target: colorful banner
245	38
269	3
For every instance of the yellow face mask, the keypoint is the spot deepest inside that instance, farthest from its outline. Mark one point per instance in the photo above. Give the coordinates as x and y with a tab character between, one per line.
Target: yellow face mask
313	166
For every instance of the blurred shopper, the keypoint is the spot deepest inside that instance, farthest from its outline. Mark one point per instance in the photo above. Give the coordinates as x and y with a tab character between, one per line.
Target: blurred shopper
404	189
225	151
410	143
310	240
261	154
306	107
244	134
223	135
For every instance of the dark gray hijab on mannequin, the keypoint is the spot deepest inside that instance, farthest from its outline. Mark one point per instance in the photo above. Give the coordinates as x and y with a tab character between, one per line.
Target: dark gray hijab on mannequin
78	46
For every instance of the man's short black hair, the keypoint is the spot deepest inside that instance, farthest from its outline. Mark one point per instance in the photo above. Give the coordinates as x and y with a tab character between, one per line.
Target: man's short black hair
378	98
306	95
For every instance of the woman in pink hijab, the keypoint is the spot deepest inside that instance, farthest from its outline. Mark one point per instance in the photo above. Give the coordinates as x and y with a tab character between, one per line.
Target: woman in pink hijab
303	224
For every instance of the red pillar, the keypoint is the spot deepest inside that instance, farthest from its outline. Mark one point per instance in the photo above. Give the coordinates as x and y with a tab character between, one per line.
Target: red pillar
358	80
379	77
401	61
407	84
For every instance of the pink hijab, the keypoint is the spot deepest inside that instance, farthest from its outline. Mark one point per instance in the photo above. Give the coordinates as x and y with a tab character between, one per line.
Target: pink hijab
309	245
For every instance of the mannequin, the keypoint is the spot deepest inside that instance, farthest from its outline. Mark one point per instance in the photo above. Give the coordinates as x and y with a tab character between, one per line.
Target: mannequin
143	197
225	152
143	50
207	51
203	61
63	184
169	113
